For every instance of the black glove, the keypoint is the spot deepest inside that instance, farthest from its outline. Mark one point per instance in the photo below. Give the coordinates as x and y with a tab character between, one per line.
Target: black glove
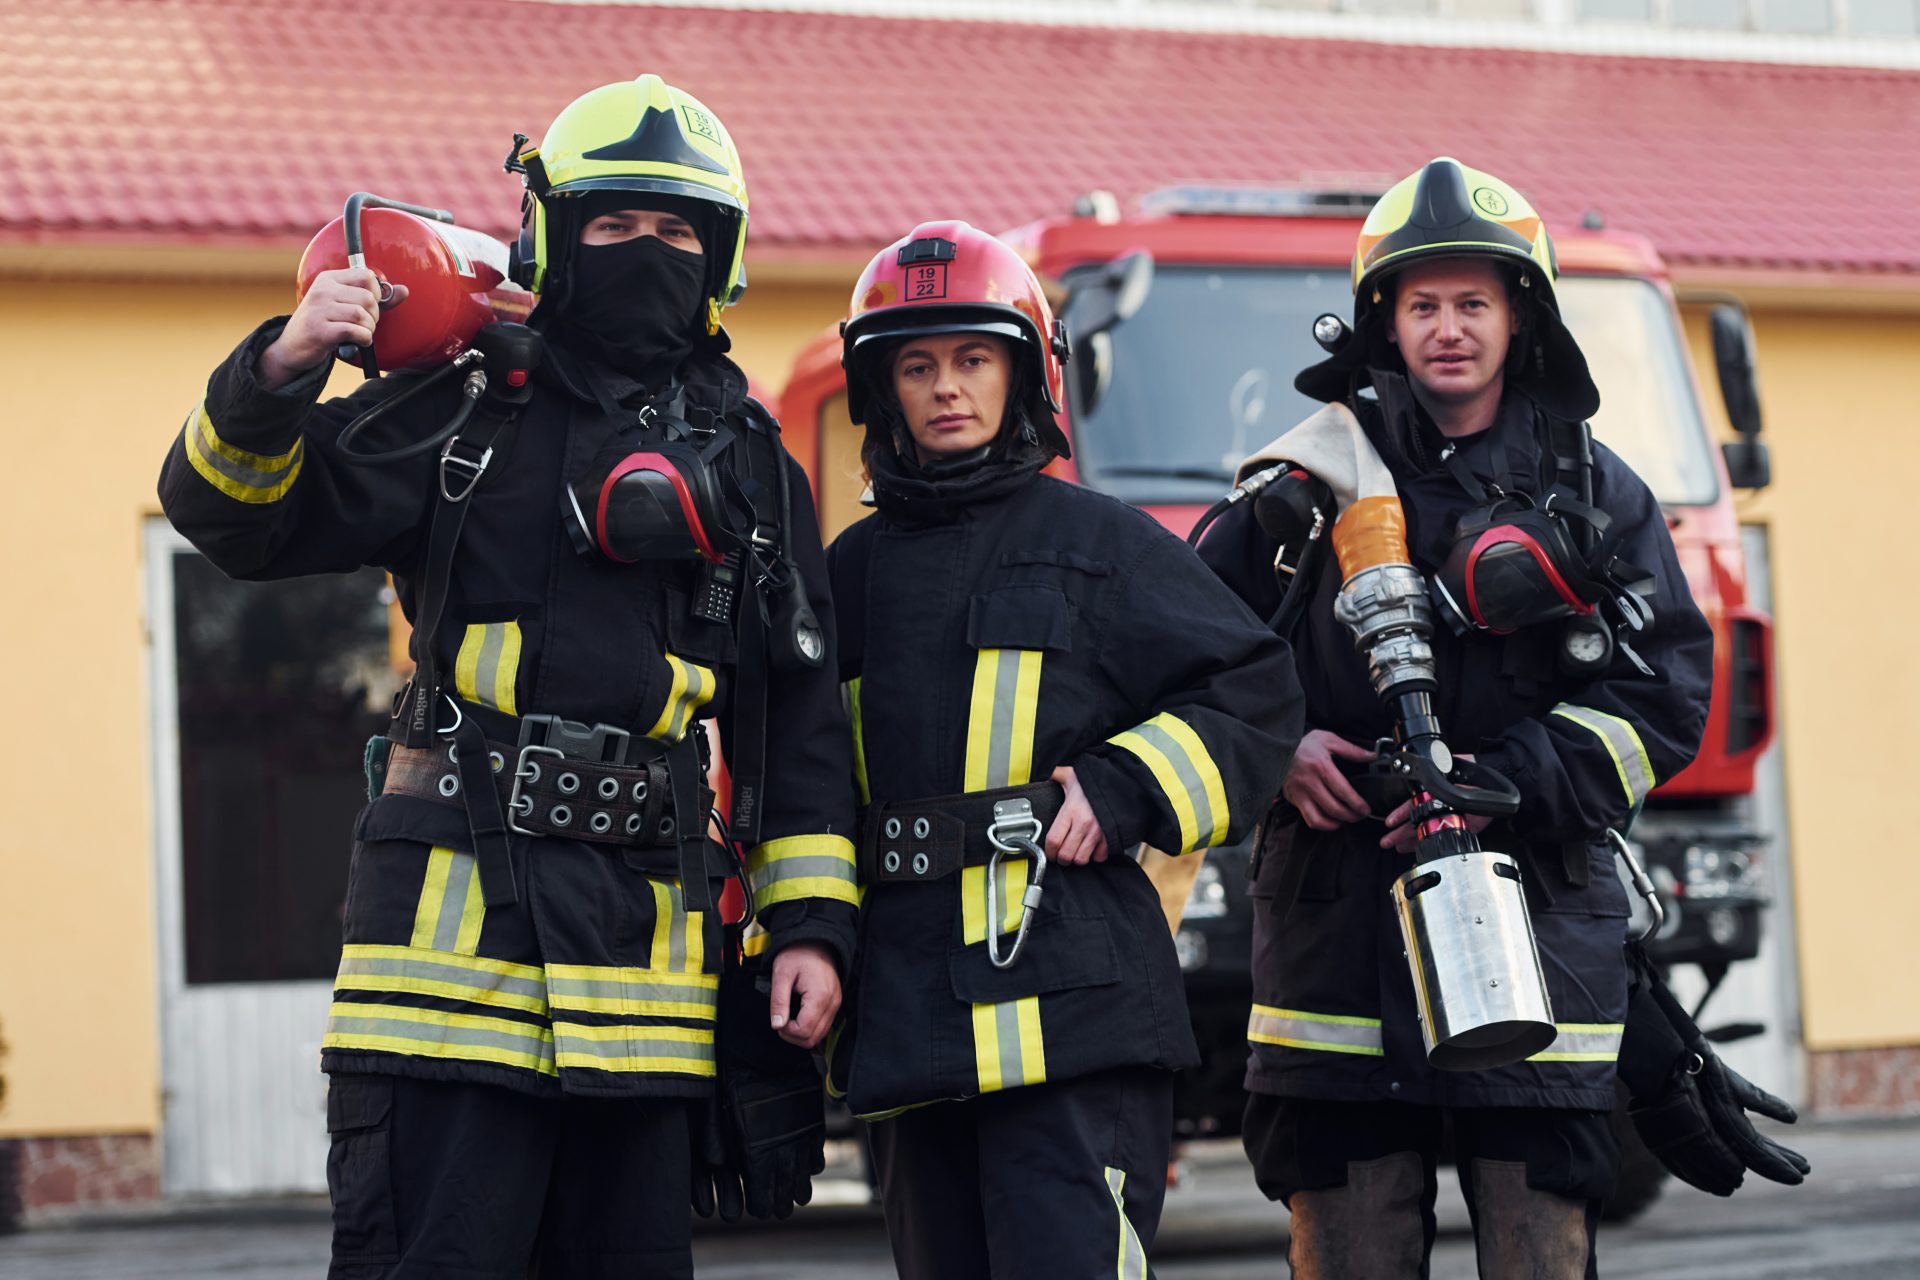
764	1134
1689	1107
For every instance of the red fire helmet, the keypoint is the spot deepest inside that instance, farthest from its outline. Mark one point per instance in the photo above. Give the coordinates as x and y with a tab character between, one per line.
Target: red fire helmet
949	277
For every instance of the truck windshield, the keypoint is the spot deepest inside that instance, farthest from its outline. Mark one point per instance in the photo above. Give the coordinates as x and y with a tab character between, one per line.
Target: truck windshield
1203	374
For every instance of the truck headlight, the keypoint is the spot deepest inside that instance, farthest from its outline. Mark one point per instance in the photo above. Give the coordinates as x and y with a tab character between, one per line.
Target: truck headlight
1722	871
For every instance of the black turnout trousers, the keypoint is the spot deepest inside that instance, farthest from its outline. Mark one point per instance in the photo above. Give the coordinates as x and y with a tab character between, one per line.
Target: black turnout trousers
444	1180
1056	1181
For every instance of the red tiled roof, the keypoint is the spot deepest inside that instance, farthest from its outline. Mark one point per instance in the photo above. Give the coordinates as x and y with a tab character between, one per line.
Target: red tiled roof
198	119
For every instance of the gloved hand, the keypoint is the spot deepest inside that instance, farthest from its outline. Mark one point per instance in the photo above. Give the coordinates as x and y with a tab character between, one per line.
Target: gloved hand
762	1137
1689	1107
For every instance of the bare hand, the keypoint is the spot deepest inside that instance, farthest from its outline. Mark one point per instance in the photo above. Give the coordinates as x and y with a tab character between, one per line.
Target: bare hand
1075	838
806	970
340	306
1401	836
1316	787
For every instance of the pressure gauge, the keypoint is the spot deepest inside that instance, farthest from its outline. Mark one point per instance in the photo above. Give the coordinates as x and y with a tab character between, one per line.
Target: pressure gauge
1586	646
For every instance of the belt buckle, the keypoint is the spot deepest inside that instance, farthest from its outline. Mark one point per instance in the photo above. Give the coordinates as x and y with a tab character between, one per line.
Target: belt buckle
572	738
524	771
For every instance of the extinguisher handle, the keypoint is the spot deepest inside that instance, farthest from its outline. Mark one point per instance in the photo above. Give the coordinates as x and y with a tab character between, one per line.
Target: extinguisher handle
356	257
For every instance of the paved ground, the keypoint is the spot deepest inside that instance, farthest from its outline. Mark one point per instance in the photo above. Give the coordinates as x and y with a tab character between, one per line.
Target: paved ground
1859	1219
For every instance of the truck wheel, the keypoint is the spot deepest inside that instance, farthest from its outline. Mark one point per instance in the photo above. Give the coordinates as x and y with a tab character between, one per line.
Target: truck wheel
1641	1175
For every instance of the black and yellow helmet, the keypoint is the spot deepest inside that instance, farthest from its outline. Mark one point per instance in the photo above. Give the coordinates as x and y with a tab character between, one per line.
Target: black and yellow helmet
640	135
1447	210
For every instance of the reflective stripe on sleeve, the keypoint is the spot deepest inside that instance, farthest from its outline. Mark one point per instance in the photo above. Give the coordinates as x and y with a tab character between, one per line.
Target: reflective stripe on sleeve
1326	1032
1622	742
488	665
246	477
1181	764
1583	1042
796	867
692	688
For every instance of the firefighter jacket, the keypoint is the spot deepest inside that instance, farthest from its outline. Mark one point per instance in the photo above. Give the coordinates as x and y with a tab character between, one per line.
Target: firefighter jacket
1334	1012
598	980
994	629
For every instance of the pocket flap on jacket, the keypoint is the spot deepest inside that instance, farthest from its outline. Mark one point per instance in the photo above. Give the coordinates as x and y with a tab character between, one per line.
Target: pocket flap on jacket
1022	617
1062	952
357	1102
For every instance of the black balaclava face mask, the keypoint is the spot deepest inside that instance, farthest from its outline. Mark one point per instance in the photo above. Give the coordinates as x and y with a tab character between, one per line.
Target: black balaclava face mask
633	306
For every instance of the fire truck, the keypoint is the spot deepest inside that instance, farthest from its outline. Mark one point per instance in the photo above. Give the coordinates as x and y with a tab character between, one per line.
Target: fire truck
1189	316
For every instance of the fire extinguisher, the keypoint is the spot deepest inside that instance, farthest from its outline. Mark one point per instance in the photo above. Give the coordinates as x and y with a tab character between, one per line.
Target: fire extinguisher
461	312
456	280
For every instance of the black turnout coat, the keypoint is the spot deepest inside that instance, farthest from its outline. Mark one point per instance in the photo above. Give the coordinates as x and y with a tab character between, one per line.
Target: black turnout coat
599	979
994	629
1334	1013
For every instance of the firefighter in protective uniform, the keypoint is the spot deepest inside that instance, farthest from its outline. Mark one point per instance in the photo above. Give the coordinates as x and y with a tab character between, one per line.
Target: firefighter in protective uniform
1040	678
1474	393
523	1031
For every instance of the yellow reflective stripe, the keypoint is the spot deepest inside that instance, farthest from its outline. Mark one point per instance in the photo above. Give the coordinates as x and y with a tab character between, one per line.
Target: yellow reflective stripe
692	688
1131	1263
679	940
452	907
488	664
851	695
639	993
1622	742
1184	768
431	1033
973	905
1325	1032
1583	1042
1009	1050
795	867
441	974
754	941
653	1049
1000	720
247	477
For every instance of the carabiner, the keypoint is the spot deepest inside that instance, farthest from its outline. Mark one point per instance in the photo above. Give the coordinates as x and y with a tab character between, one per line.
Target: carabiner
1642	884
1014	830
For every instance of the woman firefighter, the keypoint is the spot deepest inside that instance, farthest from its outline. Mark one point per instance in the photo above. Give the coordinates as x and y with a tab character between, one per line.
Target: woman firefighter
1041	678
1576	666
527	998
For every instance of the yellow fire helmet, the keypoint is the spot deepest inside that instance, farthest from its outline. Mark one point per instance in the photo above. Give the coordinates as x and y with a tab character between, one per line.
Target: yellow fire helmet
640	135
1447	210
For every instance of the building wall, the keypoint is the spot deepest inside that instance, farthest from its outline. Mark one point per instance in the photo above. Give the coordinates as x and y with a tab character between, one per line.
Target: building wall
1840	426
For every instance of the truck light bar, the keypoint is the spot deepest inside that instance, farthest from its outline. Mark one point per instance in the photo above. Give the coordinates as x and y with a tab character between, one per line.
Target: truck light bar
1260	202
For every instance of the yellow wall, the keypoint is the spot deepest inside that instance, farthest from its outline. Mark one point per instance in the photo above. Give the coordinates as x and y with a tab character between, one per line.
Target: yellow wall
1842	429
102	374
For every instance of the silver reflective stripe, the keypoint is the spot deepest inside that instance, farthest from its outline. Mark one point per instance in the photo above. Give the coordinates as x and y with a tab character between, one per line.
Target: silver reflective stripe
696	696
1183	767
210	446
479	982
775	870
569	993
1006	679
1006	1020
1132	1263
1326	1032
453	903
1622	742
529	1048
1583	1042
493	643
633	1044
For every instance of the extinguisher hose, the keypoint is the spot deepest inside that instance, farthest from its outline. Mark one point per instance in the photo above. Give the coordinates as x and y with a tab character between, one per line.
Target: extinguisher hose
470	394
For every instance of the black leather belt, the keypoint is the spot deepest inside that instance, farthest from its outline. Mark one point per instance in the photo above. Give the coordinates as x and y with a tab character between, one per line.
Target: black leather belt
921	840
561	779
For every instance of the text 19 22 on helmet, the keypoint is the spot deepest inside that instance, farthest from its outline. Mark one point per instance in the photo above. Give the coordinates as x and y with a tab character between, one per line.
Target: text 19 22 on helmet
949	277
643	136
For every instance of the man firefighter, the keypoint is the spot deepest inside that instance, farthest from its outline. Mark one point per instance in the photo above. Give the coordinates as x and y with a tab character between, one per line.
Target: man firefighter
1577	667
595	562
1041	678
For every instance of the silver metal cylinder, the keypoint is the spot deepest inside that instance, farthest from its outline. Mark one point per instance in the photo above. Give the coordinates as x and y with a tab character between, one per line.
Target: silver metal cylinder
1476	969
